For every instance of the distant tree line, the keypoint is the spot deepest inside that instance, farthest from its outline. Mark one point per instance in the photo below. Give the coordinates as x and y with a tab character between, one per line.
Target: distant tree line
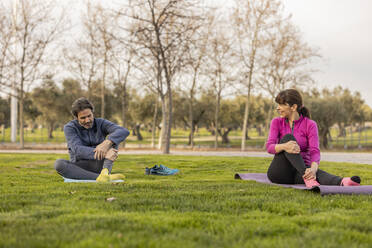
49	105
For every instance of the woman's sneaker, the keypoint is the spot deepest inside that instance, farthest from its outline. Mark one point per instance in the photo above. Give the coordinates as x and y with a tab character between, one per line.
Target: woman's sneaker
311	183
353	181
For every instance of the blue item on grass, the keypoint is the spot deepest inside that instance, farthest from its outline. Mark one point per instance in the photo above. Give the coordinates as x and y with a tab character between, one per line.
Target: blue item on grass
160	170
69	180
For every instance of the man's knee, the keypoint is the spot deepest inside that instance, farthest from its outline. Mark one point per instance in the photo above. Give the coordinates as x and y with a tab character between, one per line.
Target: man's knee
287	137
59	165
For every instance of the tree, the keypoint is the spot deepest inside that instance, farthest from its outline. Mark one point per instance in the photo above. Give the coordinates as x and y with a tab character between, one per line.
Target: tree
81	60
6	35
252	20
230	118
37	25
4	112
71	90
195	65
220	71
163	31
121	64
48	100
100	25
323	108
286	61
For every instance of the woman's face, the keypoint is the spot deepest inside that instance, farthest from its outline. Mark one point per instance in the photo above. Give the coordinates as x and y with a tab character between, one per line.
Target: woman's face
284	110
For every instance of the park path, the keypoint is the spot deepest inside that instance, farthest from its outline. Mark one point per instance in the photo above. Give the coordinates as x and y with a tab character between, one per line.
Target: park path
360	158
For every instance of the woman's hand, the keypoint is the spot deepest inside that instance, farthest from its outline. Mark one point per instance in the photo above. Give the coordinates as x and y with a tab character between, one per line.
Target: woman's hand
292	147
310	173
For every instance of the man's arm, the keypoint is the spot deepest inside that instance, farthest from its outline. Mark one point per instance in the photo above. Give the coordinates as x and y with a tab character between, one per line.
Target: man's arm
116	133
76	145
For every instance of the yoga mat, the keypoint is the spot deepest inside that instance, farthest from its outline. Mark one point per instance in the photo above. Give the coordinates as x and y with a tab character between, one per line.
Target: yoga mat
69	180
322	189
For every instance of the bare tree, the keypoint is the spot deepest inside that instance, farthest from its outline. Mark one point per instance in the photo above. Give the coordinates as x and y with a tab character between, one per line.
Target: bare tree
100	24
81	61
196	63
37	25
286	61
164	31
121	65
220	70
252	20
6	33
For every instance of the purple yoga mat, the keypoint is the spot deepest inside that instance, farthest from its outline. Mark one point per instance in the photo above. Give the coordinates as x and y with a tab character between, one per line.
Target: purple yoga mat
322	189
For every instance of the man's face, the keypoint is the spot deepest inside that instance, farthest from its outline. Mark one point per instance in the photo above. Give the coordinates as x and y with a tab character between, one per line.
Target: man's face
85	118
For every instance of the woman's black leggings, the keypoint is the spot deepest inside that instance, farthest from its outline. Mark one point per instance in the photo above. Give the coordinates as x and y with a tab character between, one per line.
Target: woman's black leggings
288	168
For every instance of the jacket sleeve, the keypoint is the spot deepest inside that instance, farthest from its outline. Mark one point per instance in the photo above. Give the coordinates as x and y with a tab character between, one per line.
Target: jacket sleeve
273	138
313	140
75	145
116	133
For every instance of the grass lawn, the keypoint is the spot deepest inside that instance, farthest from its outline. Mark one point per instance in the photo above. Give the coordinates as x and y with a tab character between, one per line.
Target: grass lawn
203	206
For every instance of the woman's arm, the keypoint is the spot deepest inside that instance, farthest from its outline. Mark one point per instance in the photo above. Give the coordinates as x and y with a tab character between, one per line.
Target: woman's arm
313	140
273	138
290	147
272	143
310	173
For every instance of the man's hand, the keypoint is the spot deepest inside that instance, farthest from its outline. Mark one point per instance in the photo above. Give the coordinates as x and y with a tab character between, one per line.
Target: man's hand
112	154
310	173
292	147
101	150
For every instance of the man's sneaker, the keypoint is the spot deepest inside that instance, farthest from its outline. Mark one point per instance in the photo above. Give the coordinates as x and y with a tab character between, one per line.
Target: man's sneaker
160	170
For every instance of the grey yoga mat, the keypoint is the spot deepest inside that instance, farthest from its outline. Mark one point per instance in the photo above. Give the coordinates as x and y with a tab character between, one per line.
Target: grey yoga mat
322	189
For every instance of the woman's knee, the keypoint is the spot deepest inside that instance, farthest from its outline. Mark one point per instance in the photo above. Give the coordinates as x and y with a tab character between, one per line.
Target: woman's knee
287	137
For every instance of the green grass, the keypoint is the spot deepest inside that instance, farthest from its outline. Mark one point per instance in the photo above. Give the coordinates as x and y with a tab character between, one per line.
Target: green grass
203	206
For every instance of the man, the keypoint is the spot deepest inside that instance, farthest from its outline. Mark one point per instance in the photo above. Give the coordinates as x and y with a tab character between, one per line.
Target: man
92	145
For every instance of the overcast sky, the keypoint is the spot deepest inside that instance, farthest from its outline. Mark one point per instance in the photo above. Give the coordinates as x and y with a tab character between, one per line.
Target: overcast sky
342	31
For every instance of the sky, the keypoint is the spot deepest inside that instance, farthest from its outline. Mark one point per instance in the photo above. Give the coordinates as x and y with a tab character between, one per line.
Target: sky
342	31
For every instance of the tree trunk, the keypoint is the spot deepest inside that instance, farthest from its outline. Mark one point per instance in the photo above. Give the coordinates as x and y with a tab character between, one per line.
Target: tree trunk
139	136
216	113
191	117
153	133
324	136
267	124
163	123
168	122
103	88
224	135
50	130
21	120
246	117
342	131
124	110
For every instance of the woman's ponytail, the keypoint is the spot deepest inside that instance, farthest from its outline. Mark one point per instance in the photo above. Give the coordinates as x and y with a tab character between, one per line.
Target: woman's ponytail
304	112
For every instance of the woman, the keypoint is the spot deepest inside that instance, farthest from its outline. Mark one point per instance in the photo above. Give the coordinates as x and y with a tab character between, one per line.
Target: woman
293	138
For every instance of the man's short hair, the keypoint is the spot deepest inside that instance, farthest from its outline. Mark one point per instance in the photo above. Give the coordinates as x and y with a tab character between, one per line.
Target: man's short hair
81	104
